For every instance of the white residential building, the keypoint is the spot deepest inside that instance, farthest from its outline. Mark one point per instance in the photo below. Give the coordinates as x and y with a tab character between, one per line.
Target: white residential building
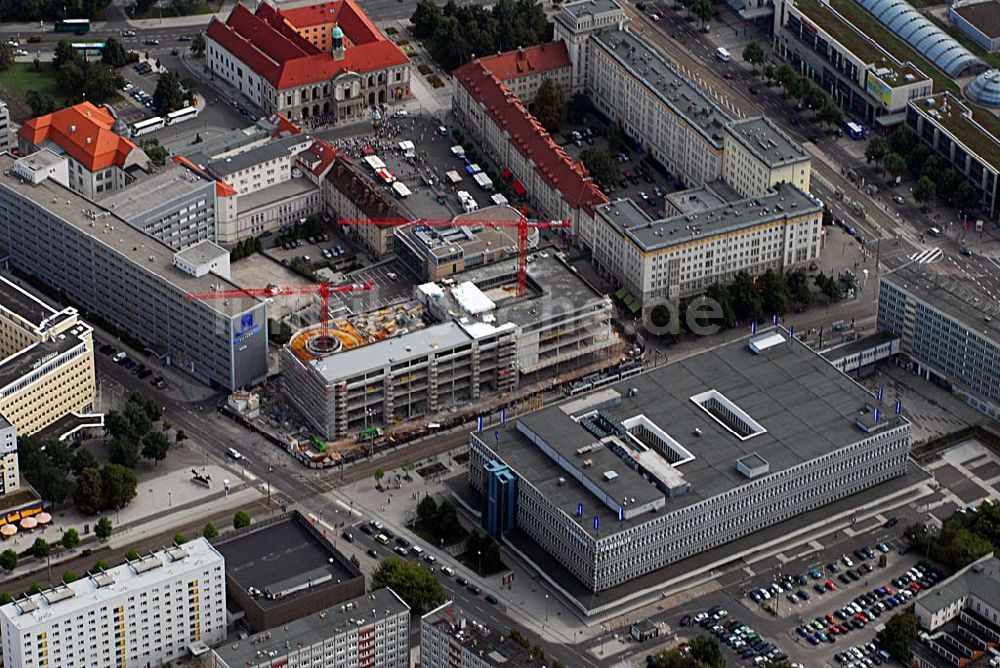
147	612
4	127
10	479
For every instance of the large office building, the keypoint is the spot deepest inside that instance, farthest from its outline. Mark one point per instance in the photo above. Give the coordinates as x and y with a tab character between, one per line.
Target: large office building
949	331
46	362
100	161
327	59
451	638
146	612
625	480
681	255
133	282
958	136
960	618
350	195
849	58
371	631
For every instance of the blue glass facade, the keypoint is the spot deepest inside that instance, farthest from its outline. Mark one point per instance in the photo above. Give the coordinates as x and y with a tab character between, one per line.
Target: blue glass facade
500	499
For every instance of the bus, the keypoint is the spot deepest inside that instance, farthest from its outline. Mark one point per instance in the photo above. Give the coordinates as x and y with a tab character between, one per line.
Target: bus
88	48
146	126
854	130
181	115
78	26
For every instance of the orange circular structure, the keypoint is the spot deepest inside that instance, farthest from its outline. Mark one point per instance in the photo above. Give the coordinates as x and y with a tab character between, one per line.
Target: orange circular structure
312	343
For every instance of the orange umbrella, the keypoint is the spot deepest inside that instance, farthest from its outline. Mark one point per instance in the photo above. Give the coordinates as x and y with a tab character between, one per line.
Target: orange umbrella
43	518
8	530
29	523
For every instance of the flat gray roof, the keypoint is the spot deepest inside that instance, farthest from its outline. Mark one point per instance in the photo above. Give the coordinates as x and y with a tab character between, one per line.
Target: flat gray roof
956	296
20	363
981	578
272	150
629	219
584	7
549	278
153	190
22	302
272	194
767	141
311	629
676	91
231	140
140	249
202	252
806	406
706	198
376	355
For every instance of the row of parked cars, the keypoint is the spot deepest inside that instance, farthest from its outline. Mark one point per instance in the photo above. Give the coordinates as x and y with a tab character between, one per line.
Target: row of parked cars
739	637
866	608
794	587
404	548
136	368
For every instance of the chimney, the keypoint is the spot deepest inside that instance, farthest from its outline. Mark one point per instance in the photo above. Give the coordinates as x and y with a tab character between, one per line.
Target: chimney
72	129
90	140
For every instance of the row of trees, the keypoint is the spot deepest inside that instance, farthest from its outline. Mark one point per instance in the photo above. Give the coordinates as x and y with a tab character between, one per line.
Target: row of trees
704	652
800	88
132	433
482	554
82	79
454	33
51	10
903	151
439	521
246	248
962	538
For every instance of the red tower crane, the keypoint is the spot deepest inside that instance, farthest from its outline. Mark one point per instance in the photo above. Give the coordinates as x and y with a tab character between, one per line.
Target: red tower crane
523	224
324	290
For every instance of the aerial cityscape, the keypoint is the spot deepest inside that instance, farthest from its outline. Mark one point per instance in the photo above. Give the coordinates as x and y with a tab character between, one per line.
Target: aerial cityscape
398	333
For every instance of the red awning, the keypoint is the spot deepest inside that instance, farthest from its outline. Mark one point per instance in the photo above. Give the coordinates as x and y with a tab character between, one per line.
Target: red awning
506	173
519	189
368	150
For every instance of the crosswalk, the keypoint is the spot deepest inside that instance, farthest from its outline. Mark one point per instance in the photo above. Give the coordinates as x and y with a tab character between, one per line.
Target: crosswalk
927	256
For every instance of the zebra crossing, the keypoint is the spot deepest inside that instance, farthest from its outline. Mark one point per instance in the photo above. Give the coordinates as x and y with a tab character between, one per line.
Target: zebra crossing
926	256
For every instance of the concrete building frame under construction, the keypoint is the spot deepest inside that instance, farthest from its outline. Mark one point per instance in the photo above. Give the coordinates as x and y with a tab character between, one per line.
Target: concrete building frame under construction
626	480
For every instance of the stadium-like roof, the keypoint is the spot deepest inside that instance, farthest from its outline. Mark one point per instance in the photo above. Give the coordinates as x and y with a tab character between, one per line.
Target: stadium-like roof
985	89
943	51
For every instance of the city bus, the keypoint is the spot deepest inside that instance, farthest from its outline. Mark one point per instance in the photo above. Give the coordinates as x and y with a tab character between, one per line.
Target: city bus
78	26
181	115
146	126
89	48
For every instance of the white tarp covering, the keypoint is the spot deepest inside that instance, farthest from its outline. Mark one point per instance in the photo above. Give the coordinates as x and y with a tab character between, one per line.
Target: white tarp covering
453	176
471	299
458	151
374	162
400	189
409	150
485	182
499	199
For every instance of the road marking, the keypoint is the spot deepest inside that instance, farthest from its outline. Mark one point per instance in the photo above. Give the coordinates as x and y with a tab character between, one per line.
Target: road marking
927	256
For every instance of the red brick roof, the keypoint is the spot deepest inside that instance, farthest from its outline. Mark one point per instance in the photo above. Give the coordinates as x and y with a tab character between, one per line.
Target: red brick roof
318	157
268	43
530	138
523	62
84	132
283	126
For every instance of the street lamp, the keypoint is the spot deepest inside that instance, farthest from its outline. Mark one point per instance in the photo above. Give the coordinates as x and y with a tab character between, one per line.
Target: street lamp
479	553
269	472
546	607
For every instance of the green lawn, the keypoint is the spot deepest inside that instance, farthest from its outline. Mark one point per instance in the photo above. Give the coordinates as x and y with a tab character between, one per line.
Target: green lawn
17	80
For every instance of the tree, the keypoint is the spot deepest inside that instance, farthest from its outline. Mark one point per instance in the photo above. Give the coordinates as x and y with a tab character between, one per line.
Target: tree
40	549
902	140
114	54
703	9
876	150
103	529
83	459
895	164
211	532
198	44
157	153
814	98
179	436
70	539
131	555
379	474
769	72
798	87
601	166
753	53
100	565
720	295
417	586
966	197
773	289
798	287
88	495
118	486
69	576
672	659
746	300
784	75
899	633
427	509
168	95
706	651
124	452
241	519
917	157
64	54
425	19
830	114
40	103
6	56
924	190
355	561
155	446
180	539
828	286
6	598
8	560
550	105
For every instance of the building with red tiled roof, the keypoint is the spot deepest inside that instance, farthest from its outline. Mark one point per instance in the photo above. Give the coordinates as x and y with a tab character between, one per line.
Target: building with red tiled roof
539	168
524	70
327	59
99	159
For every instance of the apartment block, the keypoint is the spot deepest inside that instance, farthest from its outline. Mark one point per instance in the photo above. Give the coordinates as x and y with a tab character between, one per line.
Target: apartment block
948	330
759	156
680	256
147	612
10	472
349	194
372	631
133	282
451	638
5	134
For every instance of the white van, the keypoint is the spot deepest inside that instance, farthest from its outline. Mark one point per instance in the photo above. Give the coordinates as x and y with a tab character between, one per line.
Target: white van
119	357
382	538
722	54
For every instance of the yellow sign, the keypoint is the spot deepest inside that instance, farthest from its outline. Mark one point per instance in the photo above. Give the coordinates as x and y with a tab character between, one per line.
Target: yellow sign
878	89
